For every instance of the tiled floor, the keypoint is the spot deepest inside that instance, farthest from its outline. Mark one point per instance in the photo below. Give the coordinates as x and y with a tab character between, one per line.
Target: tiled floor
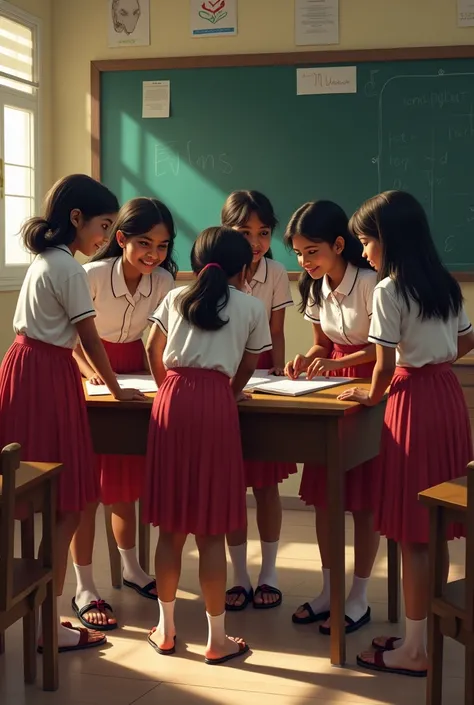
288	665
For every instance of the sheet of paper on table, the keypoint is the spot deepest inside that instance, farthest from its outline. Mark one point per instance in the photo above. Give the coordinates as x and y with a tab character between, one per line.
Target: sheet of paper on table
270	384
144	383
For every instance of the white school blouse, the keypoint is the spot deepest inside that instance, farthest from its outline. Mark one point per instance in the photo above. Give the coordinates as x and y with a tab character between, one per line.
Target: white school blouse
222	350
271	285
54	297
121	316
418	342
344	314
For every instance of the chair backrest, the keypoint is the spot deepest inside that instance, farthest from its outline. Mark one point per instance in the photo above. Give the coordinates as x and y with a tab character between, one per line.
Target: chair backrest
9	463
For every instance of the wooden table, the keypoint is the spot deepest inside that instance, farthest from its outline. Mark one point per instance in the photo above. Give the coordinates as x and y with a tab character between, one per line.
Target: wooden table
36	491
315	428
451	609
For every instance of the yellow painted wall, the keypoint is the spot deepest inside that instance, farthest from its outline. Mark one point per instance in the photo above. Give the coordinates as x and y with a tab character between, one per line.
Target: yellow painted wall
76	33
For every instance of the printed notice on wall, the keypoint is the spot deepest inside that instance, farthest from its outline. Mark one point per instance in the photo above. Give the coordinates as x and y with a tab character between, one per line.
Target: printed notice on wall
213	18
129	23
316	22
156	99
465	13
319	81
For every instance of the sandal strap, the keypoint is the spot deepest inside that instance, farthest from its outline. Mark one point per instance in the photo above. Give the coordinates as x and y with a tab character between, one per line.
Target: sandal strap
239	590
97	605
268	590
150	586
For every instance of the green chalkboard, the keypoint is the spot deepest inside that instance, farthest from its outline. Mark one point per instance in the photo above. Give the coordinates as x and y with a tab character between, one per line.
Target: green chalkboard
410	125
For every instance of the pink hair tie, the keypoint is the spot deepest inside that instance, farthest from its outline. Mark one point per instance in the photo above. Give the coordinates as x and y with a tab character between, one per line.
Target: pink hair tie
208	266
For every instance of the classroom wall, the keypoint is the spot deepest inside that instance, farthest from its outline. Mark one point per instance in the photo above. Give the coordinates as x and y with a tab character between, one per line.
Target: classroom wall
43	10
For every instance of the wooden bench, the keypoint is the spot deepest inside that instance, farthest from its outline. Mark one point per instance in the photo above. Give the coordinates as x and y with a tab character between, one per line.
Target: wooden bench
28	582
451	611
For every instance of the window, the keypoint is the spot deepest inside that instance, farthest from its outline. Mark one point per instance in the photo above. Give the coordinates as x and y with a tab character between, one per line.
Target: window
19	97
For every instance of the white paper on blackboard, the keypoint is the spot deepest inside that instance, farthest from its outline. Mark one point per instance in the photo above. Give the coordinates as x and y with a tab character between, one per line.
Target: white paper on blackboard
319	81
465	13
156	99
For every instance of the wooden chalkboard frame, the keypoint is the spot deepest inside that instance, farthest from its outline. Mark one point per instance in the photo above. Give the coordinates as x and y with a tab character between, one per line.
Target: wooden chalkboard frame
236	60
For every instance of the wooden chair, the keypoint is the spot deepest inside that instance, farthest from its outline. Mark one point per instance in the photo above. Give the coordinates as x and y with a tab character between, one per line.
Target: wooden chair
27	582
451	610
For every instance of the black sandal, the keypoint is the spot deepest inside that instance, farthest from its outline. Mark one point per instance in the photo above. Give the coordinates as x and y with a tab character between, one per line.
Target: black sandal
239	590
267	590
312	616
143	591
98	606
351	626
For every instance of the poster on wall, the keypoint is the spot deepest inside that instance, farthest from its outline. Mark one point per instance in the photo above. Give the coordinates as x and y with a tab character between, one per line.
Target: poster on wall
316	22
465	13
213	18
129	23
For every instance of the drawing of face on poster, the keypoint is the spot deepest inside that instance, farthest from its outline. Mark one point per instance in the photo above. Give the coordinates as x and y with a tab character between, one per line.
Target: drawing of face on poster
129	22
125	14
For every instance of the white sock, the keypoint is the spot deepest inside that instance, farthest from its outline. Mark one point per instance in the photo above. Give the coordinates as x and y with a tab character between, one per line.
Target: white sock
415	636
166	626
268	575
322	603
132	570
86	590
238	556
66	637
216	631
356	602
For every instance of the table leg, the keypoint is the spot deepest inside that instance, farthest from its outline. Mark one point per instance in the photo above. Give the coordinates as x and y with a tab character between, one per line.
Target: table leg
49	608
394	586
143	541
335	499
29	620
434	686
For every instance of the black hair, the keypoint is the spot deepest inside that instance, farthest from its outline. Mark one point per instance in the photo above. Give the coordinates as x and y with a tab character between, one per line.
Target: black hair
322	221
241	205
409	255
201	302
136	218
75	192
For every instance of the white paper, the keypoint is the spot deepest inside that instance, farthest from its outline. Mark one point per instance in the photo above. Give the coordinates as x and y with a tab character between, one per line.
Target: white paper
261	381
465	13
129	23
316	22
213	18
323	80
156	99
144	383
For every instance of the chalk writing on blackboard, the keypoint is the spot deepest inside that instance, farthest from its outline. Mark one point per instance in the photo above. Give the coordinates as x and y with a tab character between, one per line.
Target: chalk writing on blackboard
170	157
426	146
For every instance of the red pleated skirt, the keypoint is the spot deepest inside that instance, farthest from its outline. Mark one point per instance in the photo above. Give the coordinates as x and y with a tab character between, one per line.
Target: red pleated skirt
359	482
122	476
195	481
260	474
426	440
42	407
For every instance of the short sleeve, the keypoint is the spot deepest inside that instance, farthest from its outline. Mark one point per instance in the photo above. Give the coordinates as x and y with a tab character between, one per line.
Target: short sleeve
281	291
385	325
464	324
161	315
91	278
75	297
166	285
369	295
312	314
260	339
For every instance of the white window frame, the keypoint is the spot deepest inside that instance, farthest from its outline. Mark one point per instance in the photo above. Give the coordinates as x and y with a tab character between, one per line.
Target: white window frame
11	276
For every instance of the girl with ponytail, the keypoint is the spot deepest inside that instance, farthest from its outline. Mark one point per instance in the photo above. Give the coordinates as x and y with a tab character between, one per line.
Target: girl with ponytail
202	350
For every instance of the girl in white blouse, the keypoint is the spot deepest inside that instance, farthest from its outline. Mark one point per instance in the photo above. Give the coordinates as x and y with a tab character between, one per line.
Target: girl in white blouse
203	349
336	290
420	328
128	279
252	214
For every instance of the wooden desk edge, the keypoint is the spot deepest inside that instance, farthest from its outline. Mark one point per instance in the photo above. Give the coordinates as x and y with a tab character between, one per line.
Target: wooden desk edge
261	403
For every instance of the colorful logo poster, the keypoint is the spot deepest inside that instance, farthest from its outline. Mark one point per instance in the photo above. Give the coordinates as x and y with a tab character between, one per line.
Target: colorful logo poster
213	18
